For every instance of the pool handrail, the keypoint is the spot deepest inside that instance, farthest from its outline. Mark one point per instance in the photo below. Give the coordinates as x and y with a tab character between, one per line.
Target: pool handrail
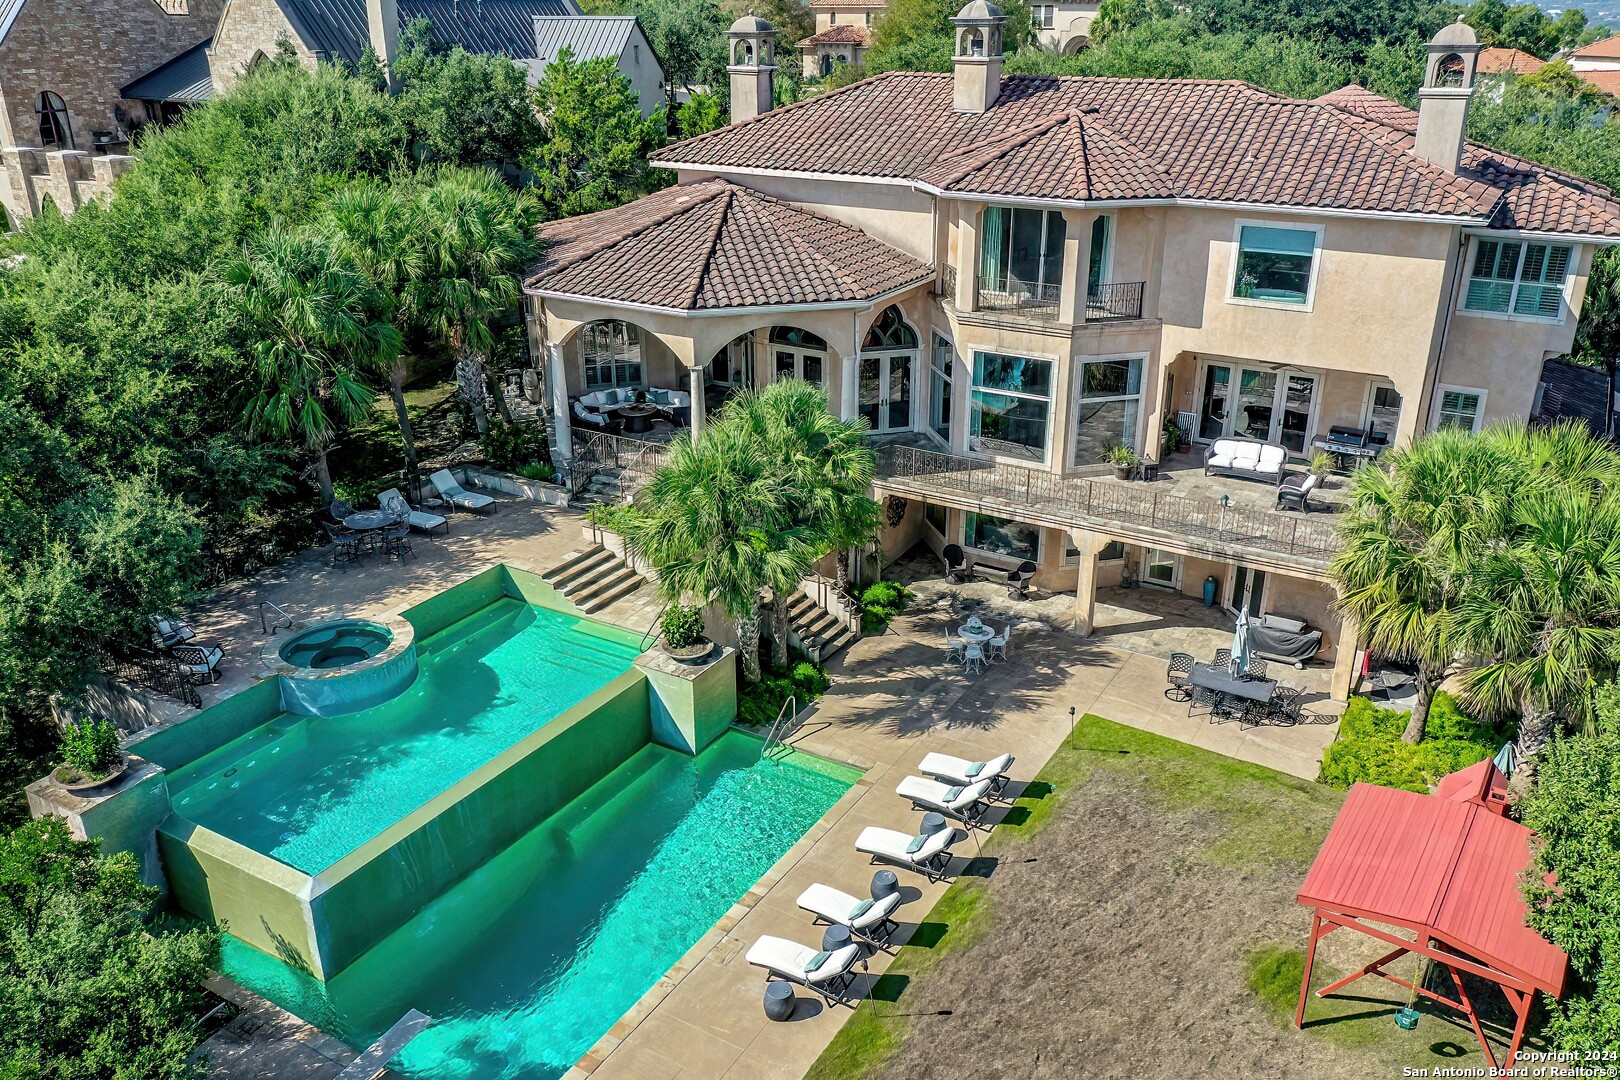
789	711
281	613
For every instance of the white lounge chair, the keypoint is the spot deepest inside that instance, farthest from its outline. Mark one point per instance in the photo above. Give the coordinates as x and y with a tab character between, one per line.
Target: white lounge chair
870	920
962	771
964	801
831	977
391	500
928	855
456	495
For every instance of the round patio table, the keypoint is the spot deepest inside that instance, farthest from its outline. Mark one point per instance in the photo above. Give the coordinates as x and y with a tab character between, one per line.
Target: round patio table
369	520
637	418
978	633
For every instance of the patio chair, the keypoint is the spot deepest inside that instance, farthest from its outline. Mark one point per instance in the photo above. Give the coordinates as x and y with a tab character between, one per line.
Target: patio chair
928	855
870	920
962	771
972	656
198	663
1223	659
967	804
395	503
339	510
953	646
397	541
1179	674
345	543
1284	707
1018	581
1256	668
167	632
1294	492
827	974
458	496
998	644
955	564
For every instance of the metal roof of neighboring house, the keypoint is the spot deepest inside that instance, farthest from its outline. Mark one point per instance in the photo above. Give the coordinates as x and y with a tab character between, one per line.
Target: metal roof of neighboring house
503	27
1497	61
1177	139
1448	865
1570	391
8	15
589	36
714	246
1603	48
185	78
841	34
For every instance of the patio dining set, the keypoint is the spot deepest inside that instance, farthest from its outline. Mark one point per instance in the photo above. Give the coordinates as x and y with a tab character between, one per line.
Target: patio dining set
1230	688
976	643
355	534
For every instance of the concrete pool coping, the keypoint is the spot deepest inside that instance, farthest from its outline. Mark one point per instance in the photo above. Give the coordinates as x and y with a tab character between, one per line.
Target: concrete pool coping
401	636
717	933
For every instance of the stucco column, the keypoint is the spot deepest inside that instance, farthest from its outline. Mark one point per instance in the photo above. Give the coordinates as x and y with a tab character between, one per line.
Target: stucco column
1415	410
698	416
1090	545
1077	226
848	385
1346	661
967	257
562	426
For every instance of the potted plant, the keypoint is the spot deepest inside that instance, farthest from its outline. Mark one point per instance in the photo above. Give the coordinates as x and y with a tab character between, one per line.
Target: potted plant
1122	458
1322	466
682	627
91	756
1171	438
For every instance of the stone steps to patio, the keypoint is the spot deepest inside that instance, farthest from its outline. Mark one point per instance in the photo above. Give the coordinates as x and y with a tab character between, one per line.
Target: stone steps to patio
819	631
593	578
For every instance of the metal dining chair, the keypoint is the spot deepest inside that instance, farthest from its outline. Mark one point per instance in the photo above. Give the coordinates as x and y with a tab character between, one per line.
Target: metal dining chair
972	657
1179	675
1256	668
998	644
345	543
953	646
397	540
1223	659
1284	706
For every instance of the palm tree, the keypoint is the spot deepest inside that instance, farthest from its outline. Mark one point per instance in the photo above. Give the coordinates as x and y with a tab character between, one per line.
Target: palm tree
1539	624
477	241
1409	537
317	322
715	521
381	230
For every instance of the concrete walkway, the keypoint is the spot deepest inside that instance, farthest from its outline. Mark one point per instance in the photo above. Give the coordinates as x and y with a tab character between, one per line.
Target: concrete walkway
892	701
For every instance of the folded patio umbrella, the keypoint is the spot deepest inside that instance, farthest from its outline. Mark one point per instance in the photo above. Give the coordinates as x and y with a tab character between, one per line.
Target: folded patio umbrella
1240	643
1507	759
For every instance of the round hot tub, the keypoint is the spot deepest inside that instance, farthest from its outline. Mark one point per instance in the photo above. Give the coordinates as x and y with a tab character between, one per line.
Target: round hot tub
343	665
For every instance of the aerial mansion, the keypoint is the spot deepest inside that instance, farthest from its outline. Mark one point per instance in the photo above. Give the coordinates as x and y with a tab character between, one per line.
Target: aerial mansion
1008	276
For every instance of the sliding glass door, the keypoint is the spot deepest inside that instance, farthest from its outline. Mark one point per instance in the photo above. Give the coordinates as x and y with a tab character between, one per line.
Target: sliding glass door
1260	403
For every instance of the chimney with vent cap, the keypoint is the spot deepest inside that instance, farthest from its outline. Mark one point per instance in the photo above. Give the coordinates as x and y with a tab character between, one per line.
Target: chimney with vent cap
1448	84
753	67
978	56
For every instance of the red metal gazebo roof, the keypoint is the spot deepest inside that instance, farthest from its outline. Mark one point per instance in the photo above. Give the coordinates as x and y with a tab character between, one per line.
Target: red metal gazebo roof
1445	865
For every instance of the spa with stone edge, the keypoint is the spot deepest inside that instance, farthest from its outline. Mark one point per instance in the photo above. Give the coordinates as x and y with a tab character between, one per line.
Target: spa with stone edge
485	807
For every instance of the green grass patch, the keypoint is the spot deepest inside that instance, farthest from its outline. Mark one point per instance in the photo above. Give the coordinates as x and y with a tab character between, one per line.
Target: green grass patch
1370	748
1274	972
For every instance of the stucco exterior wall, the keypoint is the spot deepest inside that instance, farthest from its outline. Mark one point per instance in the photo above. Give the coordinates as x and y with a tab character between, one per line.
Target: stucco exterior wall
638	64
246	29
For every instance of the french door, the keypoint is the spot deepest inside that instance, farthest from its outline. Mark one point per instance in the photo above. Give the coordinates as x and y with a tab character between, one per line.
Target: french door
1248	591
1262	403
884	395
798	364
1161	568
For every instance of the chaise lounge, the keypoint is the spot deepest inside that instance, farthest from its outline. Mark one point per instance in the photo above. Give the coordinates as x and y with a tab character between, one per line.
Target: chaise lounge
928	855
870	920
962	771
457	496
827	973
1246	459
968	803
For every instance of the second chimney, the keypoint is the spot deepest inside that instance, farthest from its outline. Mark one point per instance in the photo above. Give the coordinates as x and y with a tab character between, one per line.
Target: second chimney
1448	83
752	68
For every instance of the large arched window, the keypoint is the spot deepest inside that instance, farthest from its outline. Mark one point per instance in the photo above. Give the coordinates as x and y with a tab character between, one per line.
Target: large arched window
55	128
797	354
890	331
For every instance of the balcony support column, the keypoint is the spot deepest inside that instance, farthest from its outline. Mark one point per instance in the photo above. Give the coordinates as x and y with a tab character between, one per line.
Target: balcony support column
1077	226
967	256
698	414
1090	546
1346	661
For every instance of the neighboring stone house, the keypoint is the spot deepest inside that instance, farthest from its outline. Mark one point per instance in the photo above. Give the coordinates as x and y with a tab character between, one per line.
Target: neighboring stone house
591	37
1006	275
64	120
843	34
1062	27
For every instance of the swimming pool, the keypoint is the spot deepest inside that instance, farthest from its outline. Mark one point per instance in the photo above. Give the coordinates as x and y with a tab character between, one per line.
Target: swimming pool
531	958
308	790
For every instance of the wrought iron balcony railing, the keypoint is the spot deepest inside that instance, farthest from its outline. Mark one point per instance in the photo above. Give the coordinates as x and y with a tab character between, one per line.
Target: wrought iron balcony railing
1115	300
1127	508
1031	300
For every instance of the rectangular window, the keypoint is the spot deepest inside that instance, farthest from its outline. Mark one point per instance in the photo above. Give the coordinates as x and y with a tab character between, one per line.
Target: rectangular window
1011	406
1509	277
941	365
1107	407
998	536
1459	407
935	517
611	355
1041	16
1021	254
1273	264
1113	551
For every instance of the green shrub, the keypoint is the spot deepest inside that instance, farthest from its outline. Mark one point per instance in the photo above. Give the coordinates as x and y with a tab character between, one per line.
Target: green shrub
880	603
682	626
1369	747
90	748
759	703
611	516
810	679
542	471
509	447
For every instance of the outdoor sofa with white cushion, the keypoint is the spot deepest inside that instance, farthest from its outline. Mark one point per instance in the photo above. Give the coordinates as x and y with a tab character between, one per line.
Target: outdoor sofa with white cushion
598	405
962	771
827	973
458	496
1249	459
872	920
928	855
594	418
391	500
958	801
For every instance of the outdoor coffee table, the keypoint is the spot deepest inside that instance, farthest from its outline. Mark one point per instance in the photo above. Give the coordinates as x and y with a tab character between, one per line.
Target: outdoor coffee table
637	418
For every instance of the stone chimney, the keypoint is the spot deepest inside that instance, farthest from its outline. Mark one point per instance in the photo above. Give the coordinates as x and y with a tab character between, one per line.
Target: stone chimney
382	20
978	56
1448	83
753	67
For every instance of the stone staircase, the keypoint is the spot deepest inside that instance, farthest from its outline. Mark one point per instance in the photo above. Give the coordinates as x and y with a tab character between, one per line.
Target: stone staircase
594	578
820	633
606	487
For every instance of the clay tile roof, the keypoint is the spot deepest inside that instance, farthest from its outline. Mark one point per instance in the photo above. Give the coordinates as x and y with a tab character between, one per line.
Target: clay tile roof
1606	81
841	34
712	246
842	4
1095	138
1497	61
1602	49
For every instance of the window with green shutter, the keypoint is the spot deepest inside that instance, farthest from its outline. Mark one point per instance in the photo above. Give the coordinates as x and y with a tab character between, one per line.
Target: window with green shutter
1510	277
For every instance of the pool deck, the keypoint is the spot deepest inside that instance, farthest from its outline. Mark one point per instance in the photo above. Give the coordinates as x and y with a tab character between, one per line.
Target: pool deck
892	701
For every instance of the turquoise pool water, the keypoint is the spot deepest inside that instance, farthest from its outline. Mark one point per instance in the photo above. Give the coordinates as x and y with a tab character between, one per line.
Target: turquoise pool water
531	958
308	790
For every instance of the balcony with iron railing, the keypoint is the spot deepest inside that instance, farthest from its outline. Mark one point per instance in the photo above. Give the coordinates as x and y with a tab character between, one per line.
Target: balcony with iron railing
1107	302
1115	300
1138	512
1029	299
